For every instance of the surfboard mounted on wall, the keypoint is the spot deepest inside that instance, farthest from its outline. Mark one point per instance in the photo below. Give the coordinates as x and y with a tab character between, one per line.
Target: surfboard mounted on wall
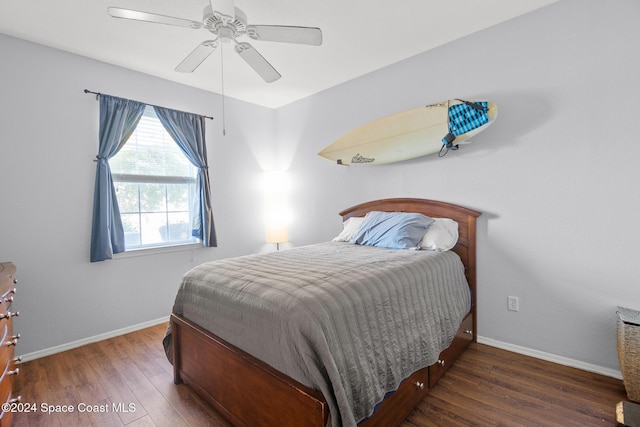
413	133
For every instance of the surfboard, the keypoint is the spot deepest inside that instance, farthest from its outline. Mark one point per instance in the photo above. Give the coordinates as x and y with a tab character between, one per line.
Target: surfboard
412	133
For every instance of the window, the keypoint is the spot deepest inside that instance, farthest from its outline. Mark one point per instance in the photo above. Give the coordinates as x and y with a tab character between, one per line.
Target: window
155	186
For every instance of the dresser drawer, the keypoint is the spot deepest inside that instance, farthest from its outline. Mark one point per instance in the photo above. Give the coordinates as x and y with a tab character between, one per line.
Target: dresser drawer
7	277
6	351
6	300
6	382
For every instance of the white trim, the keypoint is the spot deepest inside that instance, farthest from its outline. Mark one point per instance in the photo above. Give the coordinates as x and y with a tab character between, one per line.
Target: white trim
549	357
158	250
79	343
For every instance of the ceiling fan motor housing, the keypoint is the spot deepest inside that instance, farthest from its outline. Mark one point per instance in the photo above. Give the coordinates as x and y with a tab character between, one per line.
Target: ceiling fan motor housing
225	27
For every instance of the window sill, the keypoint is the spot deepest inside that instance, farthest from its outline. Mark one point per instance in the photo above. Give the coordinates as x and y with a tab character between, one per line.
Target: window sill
157	250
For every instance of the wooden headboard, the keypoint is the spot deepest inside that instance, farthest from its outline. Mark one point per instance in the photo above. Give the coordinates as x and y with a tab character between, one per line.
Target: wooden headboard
466	219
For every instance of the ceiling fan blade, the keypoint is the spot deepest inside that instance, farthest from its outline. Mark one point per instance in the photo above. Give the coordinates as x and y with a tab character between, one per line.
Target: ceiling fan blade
117	12
286	34
195	58
257	62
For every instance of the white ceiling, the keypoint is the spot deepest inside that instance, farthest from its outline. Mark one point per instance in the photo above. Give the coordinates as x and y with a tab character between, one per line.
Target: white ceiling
360	36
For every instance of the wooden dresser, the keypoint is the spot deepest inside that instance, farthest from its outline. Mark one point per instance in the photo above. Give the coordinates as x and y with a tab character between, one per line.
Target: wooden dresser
8	341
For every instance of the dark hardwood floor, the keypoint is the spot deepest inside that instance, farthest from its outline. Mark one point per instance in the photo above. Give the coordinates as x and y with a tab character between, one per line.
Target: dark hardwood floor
128	381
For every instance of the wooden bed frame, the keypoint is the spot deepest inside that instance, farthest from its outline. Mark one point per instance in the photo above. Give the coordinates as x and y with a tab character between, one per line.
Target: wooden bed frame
250	393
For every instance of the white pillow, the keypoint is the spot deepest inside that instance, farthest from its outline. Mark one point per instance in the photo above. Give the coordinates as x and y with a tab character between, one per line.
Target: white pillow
442	235
349	228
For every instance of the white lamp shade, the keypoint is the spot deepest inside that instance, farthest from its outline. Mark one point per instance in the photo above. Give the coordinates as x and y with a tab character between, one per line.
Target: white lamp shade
277	233
276	186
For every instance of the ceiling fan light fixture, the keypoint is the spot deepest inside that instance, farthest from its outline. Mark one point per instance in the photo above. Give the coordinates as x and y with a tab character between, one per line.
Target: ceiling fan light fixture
226	34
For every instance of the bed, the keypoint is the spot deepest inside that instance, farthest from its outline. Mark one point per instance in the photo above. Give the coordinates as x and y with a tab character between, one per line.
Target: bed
315	350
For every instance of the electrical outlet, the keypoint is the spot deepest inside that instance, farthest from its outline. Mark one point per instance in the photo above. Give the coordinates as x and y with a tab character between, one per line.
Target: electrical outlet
513	304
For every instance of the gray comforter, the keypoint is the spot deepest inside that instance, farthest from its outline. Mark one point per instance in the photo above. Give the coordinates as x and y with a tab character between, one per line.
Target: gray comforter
351	321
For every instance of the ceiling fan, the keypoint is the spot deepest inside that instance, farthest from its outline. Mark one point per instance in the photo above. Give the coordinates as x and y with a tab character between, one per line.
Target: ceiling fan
228	23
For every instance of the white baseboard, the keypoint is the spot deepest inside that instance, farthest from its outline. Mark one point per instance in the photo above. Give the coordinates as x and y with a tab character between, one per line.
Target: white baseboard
549	357
482	340
74	344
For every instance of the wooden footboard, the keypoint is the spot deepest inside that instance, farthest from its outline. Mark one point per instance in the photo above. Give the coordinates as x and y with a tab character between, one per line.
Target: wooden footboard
245	390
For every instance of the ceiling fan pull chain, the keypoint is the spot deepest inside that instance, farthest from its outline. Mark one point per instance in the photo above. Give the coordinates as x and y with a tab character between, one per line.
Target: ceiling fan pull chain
224	130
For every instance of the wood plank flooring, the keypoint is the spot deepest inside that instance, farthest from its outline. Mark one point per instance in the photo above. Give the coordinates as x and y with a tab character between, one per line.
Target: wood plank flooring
128	381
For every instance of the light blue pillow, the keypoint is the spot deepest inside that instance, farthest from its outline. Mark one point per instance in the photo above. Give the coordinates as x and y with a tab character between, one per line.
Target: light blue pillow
393	230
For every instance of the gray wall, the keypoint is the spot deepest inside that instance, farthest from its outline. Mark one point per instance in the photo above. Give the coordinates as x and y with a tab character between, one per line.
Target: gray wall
48	144
554	177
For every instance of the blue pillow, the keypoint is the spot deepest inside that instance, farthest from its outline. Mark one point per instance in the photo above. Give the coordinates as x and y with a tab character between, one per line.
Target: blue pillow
393	230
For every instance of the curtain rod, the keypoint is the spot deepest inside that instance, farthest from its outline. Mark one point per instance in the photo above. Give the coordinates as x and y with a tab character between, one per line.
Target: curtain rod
97	94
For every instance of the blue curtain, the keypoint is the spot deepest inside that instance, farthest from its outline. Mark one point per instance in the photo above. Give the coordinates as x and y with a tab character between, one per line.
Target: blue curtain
118	119
188	131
